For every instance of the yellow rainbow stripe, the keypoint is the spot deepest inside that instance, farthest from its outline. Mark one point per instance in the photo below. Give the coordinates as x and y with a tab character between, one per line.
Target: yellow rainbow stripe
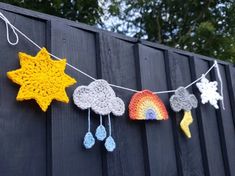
145	105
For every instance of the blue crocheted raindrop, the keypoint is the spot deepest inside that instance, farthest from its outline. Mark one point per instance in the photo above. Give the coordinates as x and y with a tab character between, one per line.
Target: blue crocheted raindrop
110	144
89	140
100	133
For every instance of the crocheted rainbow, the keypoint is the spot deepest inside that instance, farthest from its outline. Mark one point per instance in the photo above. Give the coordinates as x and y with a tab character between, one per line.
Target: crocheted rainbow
145	105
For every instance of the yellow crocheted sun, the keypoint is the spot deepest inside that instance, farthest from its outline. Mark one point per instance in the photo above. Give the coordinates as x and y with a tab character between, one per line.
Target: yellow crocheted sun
41	78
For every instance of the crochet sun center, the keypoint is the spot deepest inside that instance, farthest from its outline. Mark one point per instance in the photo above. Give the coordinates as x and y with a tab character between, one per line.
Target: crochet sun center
41	78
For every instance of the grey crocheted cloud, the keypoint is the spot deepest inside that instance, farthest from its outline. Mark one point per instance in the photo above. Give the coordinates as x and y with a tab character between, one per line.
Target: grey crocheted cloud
182	100
100	97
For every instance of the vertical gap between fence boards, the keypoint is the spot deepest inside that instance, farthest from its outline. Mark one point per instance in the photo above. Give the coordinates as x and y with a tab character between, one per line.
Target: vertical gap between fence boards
139	87
49	161
172	114
221	130
199	118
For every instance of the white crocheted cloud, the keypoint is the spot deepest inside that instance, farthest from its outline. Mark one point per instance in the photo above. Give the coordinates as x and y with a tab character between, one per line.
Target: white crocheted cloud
100	97
209	92
182	100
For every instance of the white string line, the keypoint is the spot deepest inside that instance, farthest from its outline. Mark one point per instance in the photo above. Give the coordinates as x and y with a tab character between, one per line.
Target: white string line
101	120
124	88
172	91
80	71
89	120
110	125
166	91
221	83
14	29
7	22
201	76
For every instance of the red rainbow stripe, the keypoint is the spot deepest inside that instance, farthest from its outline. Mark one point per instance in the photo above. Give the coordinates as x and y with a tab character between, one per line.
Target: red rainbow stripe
145	105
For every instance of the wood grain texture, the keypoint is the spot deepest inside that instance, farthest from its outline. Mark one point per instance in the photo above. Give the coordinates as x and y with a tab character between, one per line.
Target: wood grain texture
152	76
226	125
199	116
69	123
190	150
210	127
22	124
230	74
117	65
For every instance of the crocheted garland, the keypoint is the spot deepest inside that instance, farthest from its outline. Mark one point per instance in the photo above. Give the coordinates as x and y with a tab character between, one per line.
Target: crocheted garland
209	92
41	78
99	97
182	100
145	105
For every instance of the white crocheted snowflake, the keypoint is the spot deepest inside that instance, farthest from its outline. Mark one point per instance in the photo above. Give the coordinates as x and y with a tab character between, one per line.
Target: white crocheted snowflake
209	92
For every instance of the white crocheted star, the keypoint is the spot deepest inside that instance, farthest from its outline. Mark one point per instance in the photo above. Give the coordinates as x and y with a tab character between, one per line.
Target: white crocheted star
209	92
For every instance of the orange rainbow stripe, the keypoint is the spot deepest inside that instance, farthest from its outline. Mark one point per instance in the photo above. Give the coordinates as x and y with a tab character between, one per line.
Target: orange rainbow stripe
145	105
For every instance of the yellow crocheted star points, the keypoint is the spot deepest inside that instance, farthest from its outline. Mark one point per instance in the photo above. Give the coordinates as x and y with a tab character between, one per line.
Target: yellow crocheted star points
41	78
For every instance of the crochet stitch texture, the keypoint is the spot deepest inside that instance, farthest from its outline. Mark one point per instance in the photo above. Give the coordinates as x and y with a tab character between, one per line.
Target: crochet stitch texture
209	92
183	100
145	105
100	97
41	78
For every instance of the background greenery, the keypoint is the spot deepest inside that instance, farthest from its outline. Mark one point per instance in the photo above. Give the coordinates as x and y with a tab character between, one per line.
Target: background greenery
206	27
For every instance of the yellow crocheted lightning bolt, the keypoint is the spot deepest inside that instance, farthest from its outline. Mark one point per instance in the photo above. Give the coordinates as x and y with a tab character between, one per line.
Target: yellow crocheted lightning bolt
186	121
41	78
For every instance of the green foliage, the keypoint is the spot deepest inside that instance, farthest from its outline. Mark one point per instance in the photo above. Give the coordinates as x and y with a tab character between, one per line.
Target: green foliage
202	26
85	11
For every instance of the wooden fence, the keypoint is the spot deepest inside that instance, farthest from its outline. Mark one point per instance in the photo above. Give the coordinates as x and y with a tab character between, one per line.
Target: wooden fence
33	143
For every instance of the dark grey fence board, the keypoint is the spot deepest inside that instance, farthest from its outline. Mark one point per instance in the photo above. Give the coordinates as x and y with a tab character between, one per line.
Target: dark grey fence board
158	148
36	143
190	155
69	124
210	126
225	121
168	55
199	117
117	65
182	52
22	124
230	73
